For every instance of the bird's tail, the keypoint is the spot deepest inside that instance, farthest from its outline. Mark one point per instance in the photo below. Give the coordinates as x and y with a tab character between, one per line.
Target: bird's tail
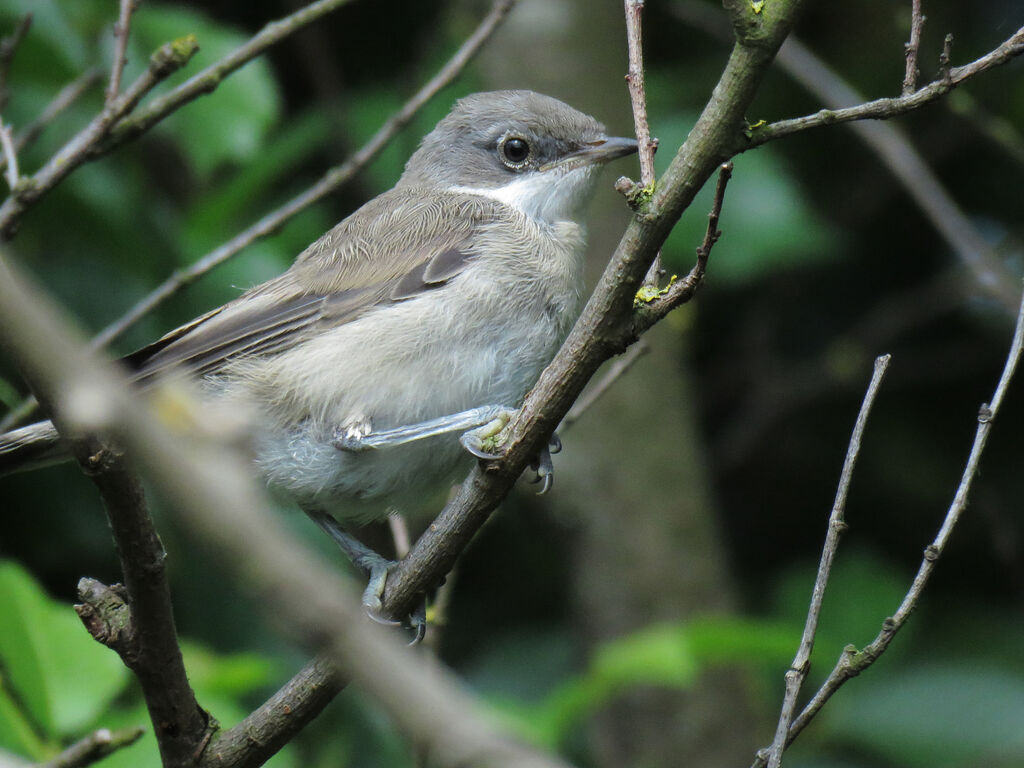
29	447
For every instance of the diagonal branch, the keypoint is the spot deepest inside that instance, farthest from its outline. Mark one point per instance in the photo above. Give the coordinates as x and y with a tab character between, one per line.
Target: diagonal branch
93	748
214	494
606	326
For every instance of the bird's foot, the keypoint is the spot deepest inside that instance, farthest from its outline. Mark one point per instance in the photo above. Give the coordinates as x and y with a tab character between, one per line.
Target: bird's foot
376	567
543	465
485	441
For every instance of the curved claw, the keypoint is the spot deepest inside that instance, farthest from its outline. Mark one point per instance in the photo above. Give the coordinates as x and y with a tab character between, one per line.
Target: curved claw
545	470
477	441
474	445
555	443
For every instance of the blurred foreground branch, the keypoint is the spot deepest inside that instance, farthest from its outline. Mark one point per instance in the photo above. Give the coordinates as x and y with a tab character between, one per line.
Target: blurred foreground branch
212	491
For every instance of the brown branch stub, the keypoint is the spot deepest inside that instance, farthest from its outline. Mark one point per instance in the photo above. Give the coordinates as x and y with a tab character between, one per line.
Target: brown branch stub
911	48
106	615
836	525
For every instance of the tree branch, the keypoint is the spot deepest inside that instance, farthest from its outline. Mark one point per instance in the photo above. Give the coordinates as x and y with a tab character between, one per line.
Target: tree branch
911	49
93	748
276	722
898	155
121	29
330	181
210	78
67	96
883	109
213	492
167	59
852	661
836	525
605	327
137	621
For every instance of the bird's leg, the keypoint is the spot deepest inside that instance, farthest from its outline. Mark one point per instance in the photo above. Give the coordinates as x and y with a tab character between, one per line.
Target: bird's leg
375	566
356	440
483	438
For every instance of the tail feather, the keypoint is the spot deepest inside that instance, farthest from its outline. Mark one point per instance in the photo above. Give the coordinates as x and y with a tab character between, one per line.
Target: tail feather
30	447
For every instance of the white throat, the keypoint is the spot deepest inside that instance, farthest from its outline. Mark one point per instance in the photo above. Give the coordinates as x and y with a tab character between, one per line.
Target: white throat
547	198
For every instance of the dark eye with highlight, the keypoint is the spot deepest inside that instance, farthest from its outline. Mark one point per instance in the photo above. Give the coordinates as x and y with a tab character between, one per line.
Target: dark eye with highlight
515	152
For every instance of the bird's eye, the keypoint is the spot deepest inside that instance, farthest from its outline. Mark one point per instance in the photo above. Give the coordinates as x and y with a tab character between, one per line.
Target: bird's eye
515	152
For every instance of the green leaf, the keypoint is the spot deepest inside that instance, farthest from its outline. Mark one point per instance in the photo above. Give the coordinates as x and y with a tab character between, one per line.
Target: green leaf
766	224
63	677
229	125
665	655
938	715
23	644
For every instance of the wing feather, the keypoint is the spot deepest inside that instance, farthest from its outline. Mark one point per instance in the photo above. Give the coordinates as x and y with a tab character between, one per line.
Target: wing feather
356	266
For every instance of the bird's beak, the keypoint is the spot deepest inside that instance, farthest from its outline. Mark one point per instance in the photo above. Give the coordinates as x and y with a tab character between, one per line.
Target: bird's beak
595	153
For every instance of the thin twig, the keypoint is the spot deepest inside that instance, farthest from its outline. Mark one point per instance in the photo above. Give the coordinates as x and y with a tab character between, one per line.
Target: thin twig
93	748
836	525
121	30
330	181
911	48
210	78
615	371
882	109
167	59
8	47
852	662
399	533
67	96
681	291
990	275
638	100
11	173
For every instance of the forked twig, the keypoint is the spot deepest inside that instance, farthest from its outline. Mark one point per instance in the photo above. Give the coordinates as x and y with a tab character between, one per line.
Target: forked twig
836	525
852	661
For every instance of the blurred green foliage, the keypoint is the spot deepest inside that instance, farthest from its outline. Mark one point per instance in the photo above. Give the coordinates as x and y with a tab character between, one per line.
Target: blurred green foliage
57	684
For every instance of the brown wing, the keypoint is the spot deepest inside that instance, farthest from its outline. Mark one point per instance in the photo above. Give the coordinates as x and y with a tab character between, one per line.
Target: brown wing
389	250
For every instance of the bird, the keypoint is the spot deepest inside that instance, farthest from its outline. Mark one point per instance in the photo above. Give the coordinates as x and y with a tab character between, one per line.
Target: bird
400	342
